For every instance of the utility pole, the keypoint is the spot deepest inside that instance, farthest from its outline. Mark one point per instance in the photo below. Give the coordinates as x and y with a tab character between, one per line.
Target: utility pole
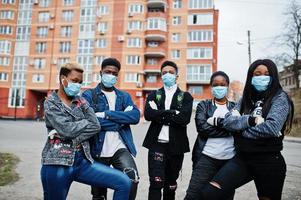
249	46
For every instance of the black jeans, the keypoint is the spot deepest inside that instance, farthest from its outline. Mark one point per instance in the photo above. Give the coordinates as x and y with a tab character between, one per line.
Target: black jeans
202	173
163	170
267	170
123	161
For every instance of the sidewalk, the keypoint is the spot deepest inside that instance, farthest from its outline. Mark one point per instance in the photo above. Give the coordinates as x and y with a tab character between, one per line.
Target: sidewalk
292	139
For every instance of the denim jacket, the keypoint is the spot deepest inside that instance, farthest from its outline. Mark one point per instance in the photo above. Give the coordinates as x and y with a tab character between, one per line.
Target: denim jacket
74	126
117	120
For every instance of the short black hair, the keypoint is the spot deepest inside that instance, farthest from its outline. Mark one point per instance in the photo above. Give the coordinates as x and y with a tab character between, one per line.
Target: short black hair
169	63
219	73
112	62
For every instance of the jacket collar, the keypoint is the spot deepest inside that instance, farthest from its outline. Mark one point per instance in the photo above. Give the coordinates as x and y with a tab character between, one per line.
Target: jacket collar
99	91
56	99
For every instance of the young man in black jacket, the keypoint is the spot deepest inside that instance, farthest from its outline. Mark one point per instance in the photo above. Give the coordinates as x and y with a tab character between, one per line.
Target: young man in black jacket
169	110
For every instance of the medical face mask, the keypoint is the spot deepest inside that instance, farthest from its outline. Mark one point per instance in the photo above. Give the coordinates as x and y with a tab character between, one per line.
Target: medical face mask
169	79
72	89
108	80
261	83
219	92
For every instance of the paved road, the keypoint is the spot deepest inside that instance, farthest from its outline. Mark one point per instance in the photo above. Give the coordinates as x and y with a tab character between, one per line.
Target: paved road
26	139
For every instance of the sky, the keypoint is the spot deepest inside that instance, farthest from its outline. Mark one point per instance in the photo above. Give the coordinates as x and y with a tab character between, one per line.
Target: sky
264	18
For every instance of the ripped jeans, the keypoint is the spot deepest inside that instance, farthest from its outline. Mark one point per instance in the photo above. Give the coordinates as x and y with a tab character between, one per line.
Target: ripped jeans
202	173
124	162
163	170
57	179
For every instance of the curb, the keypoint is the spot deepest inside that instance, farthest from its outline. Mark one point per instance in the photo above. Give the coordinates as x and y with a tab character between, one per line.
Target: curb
292	139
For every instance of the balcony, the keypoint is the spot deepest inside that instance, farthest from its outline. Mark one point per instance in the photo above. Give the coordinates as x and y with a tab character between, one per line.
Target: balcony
155	35
156	3
152	68
154	52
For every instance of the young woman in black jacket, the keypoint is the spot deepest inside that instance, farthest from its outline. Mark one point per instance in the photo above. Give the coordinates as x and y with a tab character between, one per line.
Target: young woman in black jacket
214	145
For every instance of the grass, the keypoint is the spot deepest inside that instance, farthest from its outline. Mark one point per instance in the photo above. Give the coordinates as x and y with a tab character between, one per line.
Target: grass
8	164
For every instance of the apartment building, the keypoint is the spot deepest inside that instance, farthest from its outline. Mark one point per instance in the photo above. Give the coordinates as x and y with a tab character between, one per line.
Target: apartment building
38	36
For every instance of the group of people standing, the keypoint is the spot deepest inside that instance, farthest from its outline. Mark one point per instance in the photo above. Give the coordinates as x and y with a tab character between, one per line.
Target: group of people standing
90	140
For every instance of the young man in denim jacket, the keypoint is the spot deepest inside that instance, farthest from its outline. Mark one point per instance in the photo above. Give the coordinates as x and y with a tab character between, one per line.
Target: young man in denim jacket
115	111
66	155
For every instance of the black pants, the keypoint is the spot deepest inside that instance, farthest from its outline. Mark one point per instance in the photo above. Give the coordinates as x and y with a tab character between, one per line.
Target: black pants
202	173
267	170
123	161
163	170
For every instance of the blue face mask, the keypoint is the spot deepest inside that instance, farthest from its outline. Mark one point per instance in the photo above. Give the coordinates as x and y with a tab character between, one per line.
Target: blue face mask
261	83
219	92
108	80
72	89
169	79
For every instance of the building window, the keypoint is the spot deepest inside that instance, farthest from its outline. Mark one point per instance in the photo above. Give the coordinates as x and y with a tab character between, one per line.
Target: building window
17	96
198	73
88	3
4	61
42	31
5	47
6	30
66	31
101	43
97	78
86	28
102	27
85	46
134	42
151	78
131	78
6	14
200	36
65	47
176	20
200	19
175	37
62	61
24	17
199	53
37	78
87	14
87	63
200	4
68	2
41	47
195	90
99	59
135	8
156	24
103	10
44	3
135	25
175	54
177	4
3	76
152	61
23	32
67	15
39	63
133	60
8	1
44	16
153	44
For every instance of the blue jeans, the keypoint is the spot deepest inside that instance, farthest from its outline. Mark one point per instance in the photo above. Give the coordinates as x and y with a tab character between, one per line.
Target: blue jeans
57	179
203	172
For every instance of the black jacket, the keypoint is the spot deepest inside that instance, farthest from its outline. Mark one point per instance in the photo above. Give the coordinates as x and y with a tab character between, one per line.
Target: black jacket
206	109
178	140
